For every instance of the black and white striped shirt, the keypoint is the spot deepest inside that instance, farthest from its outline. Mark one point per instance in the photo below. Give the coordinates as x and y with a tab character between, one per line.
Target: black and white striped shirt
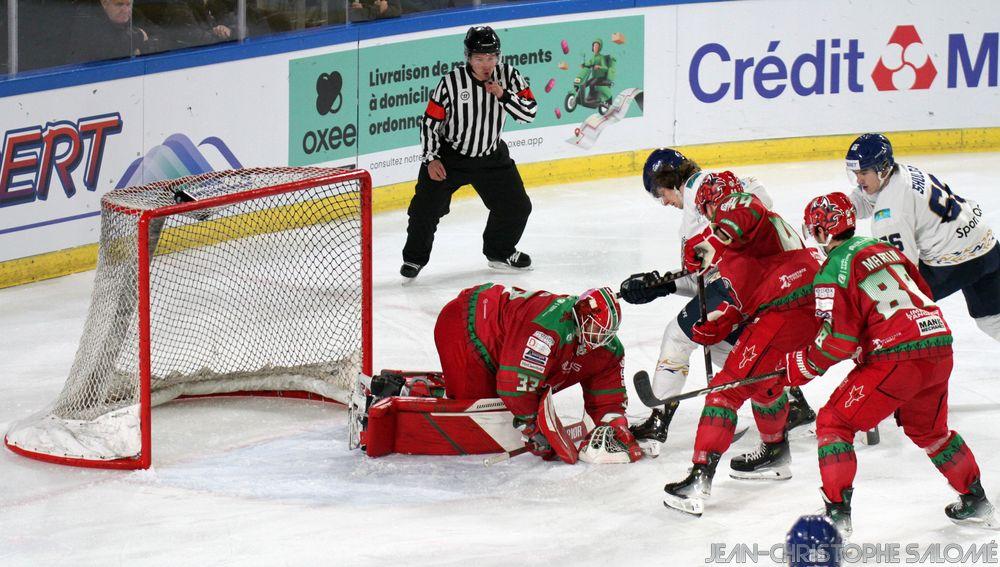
464	115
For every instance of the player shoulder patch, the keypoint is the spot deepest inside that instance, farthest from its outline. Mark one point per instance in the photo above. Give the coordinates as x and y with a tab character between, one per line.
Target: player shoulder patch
824	301
538	346
543	338
882	214
534	356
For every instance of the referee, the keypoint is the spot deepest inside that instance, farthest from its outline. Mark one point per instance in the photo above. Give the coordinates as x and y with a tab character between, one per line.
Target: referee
460	138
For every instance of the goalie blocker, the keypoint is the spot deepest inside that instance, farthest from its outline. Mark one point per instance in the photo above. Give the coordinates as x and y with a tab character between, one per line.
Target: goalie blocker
404	412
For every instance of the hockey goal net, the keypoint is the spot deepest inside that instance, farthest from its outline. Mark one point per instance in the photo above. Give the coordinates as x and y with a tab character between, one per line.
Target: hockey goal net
254	281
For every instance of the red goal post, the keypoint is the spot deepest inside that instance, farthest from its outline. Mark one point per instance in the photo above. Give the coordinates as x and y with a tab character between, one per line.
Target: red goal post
251	282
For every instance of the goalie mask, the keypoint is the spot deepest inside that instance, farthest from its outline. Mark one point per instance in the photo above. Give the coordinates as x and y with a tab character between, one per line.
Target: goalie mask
714	189
597	315
834	213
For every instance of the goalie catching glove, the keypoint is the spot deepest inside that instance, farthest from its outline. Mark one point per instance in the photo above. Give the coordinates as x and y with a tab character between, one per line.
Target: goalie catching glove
722	321
645	287
611	442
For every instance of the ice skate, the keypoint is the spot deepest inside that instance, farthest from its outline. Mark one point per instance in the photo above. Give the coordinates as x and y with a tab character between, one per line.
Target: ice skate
799	412
516	262
973	509
689	495
769	461
652	433
840	512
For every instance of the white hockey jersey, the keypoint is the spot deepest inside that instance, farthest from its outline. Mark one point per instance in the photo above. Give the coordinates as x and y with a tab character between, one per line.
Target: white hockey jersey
693	222
919	215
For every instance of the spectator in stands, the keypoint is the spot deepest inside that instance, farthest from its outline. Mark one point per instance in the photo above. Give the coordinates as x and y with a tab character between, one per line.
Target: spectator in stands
103	29
363	10
410	6
176	24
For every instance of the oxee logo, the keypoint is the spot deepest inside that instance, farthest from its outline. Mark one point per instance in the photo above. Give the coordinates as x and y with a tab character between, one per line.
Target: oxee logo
329	99
905	63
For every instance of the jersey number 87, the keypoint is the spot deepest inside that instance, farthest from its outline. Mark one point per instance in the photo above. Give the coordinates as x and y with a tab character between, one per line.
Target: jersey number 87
892	289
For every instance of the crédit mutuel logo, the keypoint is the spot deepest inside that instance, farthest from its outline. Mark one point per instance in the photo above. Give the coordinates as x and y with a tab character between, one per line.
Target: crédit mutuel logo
904	64
775	67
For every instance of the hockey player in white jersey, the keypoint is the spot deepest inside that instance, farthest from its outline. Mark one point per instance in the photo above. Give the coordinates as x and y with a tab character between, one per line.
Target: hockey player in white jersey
673	179
944	234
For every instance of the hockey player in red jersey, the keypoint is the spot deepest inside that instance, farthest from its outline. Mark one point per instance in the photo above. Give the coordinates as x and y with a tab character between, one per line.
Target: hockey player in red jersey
503	341
769	273
874	305
673	179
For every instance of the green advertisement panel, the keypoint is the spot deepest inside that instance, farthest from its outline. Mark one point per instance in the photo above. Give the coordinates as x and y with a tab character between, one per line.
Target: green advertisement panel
575	69
398	79
322	108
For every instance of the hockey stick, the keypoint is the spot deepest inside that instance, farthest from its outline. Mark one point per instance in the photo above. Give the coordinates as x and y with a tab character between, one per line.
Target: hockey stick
576	431
703	306
645	390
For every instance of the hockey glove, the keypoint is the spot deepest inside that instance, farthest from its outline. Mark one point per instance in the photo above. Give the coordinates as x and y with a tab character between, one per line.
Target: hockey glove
720	323
536	442
611	442
703	251
798	369
644	287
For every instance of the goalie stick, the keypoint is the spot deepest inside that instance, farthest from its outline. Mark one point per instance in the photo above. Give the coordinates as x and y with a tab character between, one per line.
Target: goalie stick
575	431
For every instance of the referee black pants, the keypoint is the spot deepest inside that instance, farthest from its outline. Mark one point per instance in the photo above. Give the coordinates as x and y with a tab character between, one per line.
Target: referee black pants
498	183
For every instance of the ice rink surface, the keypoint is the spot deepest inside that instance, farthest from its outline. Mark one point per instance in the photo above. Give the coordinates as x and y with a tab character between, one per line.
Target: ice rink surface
271	482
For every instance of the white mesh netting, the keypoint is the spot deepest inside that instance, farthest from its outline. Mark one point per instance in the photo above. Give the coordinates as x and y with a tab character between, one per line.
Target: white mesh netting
262	294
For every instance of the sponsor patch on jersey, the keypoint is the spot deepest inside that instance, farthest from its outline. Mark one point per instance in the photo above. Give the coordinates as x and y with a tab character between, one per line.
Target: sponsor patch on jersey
532	366
824	308
825	292
568	367
788	279
882	214
544	338
539	346
534	356
930	325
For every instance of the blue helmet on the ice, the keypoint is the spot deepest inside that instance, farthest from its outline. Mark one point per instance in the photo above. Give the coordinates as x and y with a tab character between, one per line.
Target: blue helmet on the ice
668	168
870	151
813	541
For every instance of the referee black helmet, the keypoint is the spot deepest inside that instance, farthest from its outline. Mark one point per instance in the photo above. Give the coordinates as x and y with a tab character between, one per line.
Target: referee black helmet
481	39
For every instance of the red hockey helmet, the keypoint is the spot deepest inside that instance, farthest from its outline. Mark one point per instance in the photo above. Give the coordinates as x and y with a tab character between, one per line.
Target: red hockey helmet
714	188
598	316
833	212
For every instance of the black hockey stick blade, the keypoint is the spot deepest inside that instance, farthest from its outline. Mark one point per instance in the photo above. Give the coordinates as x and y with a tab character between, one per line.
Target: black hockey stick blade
739	434
645	390
872	436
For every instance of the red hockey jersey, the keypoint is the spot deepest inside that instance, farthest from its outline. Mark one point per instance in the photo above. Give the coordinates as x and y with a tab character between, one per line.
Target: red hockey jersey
529	339
869	297
766	265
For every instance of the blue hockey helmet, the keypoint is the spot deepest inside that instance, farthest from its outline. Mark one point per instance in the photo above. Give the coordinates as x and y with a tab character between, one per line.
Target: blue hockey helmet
870	151
663	161
813	541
